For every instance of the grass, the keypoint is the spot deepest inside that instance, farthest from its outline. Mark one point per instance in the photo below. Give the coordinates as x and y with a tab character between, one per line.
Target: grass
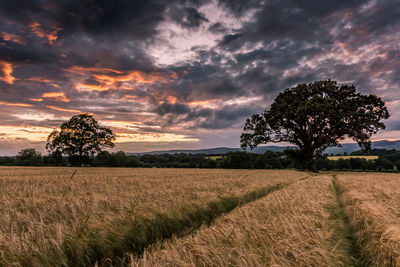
343	234
40	213
289	227
353	157
372	203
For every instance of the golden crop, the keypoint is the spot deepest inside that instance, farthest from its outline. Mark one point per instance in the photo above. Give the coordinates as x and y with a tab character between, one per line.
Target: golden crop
197	217
289	227
40	206
373	204
353	157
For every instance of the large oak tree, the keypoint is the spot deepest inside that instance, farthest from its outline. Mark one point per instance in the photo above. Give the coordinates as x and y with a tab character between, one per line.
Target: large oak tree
80	137
316	116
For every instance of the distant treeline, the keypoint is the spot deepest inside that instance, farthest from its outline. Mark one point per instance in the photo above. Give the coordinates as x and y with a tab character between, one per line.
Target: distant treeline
388	160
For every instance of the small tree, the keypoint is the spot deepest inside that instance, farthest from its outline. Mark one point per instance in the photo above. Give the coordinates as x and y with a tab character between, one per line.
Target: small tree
79	138
28	157
120	159
316	116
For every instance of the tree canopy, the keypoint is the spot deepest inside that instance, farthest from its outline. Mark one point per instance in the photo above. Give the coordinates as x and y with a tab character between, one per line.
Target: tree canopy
80	137
28	157
315	116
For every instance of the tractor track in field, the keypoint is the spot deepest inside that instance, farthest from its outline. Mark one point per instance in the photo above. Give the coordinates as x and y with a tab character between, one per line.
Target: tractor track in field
343	229
110	246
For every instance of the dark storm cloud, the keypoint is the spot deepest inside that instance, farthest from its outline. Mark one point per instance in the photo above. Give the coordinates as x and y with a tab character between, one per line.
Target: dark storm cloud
217	28
224	116
101	55
294	31
166	108
81	30
96	17
227	117
239	6
188	17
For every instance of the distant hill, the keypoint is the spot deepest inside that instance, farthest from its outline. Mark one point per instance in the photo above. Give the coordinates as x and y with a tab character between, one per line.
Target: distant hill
348	148
214	150
351	147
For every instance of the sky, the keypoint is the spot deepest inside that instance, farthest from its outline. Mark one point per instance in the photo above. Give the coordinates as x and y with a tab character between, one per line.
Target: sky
175	74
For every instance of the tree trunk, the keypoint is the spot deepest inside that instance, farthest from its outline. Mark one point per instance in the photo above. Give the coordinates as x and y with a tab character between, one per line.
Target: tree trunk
308	159
81	157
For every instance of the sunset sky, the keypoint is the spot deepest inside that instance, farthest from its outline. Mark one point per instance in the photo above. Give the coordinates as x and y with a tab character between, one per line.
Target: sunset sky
172	74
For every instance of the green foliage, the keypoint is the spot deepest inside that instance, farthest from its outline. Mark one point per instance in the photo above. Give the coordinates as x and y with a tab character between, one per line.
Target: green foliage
239	160
261	162
133	161
28	157
120	159
384	163
104	159
374	152
233	160
36	160
79	138
316	116
7	161
397	165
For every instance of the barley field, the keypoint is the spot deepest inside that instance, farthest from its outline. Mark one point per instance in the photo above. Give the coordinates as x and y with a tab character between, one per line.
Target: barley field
289	227
197	217
373	204
40	206
353	157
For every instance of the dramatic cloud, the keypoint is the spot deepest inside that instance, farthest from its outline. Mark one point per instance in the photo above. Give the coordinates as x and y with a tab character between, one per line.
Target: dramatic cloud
179	73
5	74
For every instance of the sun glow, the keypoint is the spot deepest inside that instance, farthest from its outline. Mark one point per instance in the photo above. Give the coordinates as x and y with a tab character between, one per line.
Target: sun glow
31	133
153	137
15	104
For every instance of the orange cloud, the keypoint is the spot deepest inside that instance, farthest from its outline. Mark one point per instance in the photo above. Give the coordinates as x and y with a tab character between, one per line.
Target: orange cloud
130	98
58	96
49	36
90	87
172	99
203	102
37	99
38	79
5	72
80	70
13	38
15	104
63	109
115	79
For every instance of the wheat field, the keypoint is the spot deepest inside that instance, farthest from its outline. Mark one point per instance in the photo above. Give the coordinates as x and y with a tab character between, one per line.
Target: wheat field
290	227
40	206
353	157
197	217
373	204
